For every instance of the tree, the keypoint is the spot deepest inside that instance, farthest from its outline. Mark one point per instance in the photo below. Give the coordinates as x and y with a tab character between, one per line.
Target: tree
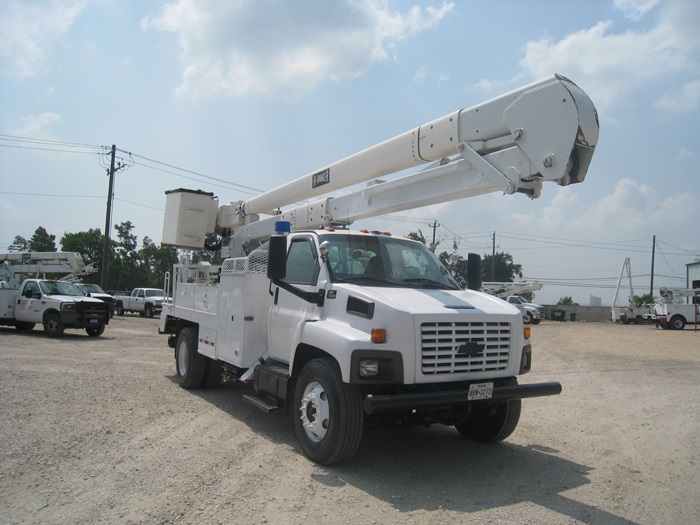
504	269
417	236
42	241
88	244
566	301
155	261
646	298
20	244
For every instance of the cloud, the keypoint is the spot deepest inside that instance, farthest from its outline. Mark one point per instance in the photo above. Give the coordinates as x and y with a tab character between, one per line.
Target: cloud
30	30
281	47
635	9
684	153
632	207
610	65
684	100
38	126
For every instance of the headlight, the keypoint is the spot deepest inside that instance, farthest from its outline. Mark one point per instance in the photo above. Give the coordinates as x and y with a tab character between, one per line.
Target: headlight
369	367
69	307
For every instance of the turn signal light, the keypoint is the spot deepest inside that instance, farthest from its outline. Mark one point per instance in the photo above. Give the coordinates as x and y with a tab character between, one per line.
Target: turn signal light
526	332
378	335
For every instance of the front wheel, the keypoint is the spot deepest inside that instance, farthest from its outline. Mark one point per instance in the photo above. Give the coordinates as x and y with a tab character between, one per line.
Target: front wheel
330	419
148	311
190	364
493	422
53	326
527	318
95	331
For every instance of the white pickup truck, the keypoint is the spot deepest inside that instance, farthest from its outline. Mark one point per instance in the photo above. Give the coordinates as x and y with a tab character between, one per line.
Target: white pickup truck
55	304
532	313
146	301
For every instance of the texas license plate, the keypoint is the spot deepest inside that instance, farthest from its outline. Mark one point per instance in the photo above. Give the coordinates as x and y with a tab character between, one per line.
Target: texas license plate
480	391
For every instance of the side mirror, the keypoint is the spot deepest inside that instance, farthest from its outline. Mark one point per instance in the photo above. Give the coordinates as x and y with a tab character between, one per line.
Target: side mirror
474	271
324	249
277	257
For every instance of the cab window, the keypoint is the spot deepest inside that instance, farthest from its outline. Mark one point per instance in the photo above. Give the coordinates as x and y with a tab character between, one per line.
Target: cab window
302	262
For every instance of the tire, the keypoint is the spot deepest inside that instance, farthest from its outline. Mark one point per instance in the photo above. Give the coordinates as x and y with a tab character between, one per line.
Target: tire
527	318
677	322
53	326
494	423
95	331
536	321
638	319
24	326
148	311
190	364
120	309
329	418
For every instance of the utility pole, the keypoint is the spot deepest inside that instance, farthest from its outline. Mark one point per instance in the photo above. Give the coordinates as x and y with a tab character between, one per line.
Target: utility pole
653	252
493	257
434	226
108	221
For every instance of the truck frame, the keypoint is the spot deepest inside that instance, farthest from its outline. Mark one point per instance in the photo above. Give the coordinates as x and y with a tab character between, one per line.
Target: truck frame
342	328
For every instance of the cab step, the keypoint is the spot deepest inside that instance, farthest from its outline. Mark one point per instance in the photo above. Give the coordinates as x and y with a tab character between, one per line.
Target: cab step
260	403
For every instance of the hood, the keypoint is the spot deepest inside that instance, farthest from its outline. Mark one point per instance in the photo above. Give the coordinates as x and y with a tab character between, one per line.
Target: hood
73	299
425	301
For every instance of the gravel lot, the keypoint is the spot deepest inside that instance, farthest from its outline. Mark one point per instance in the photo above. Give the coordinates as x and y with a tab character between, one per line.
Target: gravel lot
97	431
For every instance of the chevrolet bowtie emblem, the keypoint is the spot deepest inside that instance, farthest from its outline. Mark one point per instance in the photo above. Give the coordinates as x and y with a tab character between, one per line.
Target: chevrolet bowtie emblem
471	349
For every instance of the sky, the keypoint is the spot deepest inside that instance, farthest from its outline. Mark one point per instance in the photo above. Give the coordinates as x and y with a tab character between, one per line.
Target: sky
238	97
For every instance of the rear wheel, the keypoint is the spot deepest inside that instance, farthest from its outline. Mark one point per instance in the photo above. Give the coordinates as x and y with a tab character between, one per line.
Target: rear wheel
120	309
330	419
53	326
677	322
148	311
190	364
495	422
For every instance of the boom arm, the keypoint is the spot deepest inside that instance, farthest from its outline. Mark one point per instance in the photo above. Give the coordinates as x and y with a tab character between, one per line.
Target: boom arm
42	263
546	131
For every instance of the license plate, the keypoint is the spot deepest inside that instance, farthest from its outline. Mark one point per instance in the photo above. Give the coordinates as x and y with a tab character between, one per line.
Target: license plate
480	391
93	321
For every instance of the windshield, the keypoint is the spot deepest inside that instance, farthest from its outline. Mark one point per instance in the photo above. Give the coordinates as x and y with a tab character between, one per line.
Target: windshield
385	261
59	288
90	288
155	293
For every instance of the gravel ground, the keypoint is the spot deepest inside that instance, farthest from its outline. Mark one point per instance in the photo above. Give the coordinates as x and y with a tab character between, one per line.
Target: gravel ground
97	431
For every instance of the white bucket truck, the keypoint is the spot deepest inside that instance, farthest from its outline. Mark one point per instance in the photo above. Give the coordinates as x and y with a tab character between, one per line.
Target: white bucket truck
340	328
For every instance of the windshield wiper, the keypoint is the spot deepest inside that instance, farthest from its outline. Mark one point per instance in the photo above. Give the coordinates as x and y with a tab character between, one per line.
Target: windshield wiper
365	278
425	282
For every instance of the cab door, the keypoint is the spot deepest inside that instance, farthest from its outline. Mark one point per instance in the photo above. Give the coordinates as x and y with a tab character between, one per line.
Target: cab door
29	309
289	313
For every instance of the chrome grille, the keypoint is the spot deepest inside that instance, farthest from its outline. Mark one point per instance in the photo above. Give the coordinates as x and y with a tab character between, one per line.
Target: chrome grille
440	342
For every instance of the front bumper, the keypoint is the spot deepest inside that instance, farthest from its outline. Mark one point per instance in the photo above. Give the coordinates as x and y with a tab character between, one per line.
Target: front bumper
394	403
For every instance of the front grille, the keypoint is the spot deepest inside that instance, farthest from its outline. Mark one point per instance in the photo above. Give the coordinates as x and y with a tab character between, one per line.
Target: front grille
440	342
91	310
